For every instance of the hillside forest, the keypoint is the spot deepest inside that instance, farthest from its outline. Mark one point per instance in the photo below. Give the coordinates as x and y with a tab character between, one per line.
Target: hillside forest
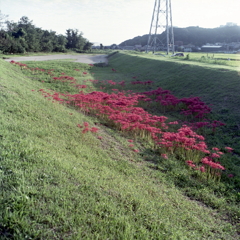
23	36
194	35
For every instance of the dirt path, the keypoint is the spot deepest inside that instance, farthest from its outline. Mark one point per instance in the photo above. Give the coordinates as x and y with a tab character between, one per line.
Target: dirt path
90	59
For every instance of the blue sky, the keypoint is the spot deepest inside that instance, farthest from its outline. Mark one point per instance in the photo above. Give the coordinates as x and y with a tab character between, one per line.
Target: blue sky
113	21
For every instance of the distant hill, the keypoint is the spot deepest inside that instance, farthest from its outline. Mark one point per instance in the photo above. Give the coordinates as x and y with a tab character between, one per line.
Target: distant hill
194	35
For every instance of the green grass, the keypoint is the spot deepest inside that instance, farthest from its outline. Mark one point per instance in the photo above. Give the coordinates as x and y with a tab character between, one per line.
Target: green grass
58	183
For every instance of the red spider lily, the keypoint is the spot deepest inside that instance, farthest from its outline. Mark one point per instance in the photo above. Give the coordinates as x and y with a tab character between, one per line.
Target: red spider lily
130	140
100	137
212	164
131	145
215	155
136	150
85	130
202	169
216	124
94	129
85	124
190	163
114	70
229	149
165	156
173	123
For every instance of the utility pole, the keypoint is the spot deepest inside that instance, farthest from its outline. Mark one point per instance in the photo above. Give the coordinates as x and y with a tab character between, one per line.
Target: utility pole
161	36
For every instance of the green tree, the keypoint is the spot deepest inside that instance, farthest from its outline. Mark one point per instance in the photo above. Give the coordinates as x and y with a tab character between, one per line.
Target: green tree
60	45
24	36
75	39
87	46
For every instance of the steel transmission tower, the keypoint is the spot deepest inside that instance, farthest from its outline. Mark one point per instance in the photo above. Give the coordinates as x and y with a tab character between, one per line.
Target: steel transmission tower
161	24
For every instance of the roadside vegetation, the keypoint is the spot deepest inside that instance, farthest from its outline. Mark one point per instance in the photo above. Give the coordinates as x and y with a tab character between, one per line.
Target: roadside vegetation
76	164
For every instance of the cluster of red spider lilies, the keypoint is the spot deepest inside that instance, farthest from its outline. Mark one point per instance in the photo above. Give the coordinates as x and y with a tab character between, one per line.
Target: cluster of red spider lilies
120	109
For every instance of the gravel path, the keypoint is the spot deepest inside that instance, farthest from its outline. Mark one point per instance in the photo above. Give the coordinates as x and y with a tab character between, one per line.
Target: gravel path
90	59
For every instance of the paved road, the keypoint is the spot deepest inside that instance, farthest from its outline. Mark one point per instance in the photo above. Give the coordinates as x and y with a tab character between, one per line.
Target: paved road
90	59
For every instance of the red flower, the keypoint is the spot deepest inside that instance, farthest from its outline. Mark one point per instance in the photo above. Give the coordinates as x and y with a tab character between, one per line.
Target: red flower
94	129
85	124
202	169
229	149
85	130
163	155
215	155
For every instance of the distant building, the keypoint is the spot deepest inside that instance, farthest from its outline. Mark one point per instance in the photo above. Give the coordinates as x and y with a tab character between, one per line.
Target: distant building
128	47
212	48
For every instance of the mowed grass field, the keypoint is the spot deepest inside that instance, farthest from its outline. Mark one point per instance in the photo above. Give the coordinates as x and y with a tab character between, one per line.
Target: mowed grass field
58	183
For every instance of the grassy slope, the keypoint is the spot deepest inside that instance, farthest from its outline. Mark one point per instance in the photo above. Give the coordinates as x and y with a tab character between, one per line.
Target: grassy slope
59	184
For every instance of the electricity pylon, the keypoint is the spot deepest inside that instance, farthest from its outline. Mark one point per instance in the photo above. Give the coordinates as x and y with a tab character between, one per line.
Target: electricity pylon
161	24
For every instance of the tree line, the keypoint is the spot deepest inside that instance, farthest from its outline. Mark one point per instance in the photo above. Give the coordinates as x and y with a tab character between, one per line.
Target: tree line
194	35
23	36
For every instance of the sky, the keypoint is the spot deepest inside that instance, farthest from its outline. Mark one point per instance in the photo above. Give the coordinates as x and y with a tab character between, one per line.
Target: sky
114	21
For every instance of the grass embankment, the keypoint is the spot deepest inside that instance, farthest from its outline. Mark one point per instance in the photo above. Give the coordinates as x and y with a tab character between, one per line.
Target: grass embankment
58	183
